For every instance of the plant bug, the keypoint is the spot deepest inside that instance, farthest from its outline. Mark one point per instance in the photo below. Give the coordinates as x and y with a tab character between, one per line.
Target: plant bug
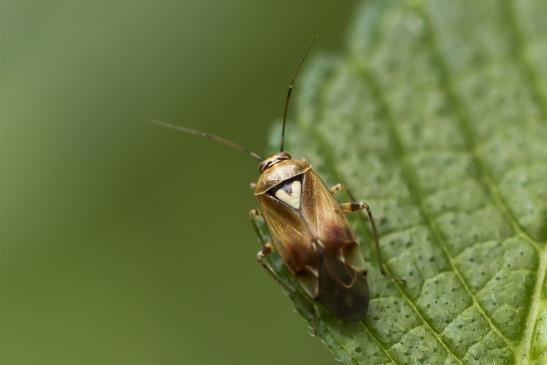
308	227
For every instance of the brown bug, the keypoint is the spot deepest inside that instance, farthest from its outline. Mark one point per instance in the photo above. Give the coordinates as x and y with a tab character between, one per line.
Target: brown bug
308	227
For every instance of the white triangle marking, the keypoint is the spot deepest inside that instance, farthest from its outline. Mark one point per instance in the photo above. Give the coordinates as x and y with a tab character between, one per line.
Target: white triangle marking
290	194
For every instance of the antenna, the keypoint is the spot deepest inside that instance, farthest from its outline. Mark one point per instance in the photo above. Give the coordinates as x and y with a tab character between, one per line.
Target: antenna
209	136
289	92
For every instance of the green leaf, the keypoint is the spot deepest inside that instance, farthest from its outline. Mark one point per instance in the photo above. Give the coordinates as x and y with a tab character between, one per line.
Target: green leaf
437	117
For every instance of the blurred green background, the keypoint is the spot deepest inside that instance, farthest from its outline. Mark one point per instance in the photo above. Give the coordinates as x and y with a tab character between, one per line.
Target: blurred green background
123	242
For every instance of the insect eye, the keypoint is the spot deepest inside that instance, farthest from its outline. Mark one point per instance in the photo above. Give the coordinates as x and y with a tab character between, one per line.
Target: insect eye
289	193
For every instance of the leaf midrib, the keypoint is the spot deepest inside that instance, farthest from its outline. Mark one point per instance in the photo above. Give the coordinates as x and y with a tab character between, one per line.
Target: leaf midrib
525	347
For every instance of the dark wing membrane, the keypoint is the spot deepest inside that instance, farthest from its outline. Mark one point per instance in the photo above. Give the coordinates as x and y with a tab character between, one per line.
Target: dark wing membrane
342	290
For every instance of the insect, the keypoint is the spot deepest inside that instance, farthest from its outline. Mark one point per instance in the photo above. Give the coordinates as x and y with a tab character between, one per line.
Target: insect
308	227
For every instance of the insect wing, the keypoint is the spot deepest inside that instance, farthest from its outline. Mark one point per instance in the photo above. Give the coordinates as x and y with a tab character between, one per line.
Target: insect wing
323	215
289	232
343	288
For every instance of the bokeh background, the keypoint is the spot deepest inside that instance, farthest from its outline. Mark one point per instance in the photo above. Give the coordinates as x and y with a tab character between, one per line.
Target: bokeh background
122	242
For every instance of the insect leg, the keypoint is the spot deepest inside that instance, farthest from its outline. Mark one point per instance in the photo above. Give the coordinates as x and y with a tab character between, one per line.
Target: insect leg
352	207
336	188
263	254
254	214
267	249
360	205
260	256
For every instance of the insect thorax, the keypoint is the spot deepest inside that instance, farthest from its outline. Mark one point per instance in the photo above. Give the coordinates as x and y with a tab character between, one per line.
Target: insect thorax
280	172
